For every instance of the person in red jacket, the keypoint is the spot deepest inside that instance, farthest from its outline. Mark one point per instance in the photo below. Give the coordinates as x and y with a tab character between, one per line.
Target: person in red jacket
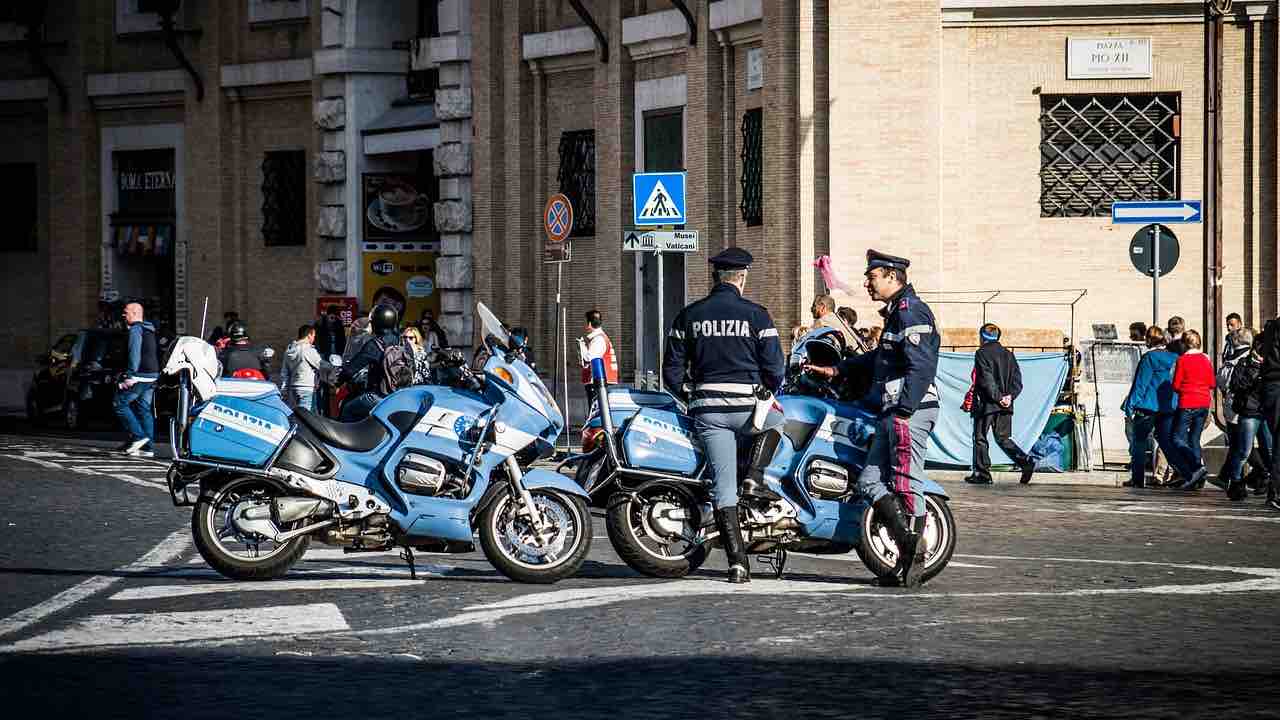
1194	382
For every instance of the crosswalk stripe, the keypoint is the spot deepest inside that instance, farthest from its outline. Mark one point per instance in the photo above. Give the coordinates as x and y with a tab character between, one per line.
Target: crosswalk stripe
168	549
169	628
157	592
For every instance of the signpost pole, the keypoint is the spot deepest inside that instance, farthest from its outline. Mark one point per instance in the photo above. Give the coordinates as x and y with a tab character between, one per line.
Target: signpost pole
564	356
661	326
1155	276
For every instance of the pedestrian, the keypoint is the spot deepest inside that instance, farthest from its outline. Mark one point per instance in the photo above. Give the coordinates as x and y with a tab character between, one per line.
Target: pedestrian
797	332
824	314
1268	387
903	369
1151	405
727	349
331	334
1245	402
135	393
361	333
1234	324
850	317
366	373
595	344
241	355
1174	330
218	337
301	369
1138	332
997	384
433	336
412	337
1194	382
873	336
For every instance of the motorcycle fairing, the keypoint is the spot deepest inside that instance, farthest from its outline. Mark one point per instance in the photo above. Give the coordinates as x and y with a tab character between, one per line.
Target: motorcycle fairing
662	441
241	430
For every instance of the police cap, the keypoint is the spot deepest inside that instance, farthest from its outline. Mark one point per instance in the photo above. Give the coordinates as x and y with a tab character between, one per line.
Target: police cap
733	258
877	259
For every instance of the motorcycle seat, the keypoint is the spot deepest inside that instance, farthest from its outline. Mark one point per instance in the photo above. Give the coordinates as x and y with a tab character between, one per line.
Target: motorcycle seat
360	436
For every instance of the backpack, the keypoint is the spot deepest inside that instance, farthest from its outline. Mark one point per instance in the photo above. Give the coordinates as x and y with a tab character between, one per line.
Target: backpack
397	367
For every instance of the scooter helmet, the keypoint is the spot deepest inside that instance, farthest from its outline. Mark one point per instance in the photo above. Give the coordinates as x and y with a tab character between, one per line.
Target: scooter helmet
384	319
237	330
821	346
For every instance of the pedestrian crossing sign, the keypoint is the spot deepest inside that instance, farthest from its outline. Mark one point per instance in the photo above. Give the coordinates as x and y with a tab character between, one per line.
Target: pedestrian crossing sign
658	198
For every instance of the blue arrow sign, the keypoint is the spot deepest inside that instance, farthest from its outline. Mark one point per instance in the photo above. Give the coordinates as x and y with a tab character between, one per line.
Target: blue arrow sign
658	198
1159	211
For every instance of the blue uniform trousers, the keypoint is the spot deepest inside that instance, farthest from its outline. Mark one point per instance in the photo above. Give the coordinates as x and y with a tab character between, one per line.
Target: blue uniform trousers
895	460
719	433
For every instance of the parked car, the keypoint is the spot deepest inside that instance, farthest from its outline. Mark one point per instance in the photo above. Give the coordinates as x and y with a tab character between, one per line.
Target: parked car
77	377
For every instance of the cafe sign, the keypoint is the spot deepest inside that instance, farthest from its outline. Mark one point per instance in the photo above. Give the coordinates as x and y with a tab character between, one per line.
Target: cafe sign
1108	58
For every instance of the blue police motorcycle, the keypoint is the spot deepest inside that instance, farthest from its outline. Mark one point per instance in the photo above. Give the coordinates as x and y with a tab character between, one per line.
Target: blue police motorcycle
430	466
647	470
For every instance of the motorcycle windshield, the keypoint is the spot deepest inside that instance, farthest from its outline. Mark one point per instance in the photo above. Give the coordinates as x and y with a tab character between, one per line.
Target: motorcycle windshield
519	379
494	332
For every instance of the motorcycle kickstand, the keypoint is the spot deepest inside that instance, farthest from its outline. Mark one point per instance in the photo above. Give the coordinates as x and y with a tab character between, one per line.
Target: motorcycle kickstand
777	561
407	556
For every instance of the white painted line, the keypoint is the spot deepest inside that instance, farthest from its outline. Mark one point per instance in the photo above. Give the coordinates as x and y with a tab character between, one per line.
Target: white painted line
180	627
43	454
37	461
168	549
340	572
156	592
844	631
853	558
138	481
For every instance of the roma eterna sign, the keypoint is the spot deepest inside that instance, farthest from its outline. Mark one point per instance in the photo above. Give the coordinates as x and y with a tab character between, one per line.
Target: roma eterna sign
1108	58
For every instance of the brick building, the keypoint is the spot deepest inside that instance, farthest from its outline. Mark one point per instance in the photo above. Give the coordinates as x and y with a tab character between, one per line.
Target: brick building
985	139
949	131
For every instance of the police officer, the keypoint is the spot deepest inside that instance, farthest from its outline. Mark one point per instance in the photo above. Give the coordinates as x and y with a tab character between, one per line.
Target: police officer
725	348
903	368
241	354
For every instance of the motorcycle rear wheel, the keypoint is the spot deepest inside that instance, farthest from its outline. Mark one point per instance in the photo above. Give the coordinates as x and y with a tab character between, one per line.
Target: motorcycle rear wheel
507	537
628	519
880	554
215	536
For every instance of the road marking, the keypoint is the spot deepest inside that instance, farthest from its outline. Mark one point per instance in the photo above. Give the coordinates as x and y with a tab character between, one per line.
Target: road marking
844	631
171	628
168	549
156	592
853	558
131	479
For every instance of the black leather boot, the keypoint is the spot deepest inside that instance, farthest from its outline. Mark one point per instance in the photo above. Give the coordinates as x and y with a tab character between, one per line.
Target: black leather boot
734	549
889	511
753	486
913	562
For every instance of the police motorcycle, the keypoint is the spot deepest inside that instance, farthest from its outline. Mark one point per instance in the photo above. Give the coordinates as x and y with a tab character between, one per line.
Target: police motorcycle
429	467
646	468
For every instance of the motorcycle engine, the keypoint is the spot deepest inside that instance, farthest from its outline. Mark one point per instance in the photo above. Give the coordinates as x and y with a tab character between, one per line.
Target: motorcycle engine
419	474
827	480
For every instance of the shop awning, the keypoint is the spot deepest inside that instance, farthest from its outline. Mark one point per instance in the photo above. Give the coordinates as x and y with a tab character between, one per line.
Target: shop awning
403	128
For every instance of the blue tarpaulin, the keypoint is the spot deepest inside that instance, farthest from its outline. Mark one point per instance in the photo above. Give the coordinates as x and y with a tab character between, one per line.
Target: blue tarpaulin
952	439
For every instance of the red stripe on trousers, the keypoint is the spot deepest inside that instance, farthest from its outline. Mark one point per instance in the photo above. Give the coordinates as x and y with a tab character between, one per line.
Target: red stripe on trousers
902	469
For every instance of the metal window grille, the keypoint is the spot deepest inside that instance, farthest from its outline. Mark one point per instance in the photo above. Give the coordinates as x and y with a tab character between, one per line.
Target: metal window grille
577	178
1099	149
752	205
284	198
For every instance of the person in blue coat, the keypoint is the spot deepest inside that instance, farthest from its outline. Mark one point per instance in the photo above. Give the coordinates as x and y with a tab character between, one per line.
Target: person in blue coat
1150	405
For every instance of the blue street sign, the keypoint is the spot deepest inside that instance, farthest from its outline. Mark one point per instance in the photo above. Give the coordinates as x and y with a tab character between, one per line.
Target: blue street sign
658	198
1158	211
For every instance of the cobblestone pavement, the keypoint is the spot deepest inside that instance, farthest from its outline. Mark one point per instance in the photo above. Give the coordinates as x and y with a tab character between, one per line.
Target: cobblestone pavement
1060	601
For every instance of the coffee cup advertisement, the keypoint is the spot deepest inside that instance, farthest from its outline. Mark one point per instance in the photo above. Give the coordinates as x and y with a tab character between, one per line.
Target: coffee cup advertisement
397	207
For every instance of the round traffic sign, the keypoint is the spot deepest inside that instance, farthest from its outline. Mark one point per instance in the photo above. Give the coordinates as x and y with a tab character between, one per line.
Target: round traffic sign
557	218
1142	250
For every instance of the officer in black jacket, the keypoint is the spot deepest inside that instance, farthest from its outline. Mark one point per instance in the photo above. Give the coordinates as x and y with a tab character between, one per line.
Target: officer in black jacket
997	383
726	349
364	373
242	354
902	369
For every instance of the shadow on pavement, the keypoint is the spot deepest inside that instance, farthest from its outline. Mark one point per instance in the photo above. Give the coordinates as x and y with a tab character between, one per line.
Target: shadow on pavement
221	684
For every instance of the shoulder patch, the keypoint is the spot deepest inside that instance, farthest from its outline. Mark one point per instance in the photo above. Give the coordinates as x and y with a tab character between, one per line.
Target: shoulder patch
903	304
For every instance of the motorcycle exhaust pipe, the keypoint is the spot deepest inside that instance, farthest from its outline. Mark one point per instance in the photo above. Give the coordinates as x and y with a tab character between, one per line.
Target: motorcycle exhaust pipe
602	397
289	509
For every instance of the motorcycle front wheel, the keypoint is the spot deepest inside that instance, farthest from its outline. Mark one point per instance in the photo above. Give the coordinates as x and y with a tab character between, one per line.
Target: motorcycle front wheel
652	531
512	543
226	549
880	554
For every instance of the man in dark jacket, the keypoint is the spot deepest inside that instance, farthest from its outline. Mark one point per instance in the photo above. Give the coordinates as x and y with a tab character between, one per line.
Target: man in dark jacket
364	371
134	396
241	354
997	383
1269	394
331	336
1248	426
